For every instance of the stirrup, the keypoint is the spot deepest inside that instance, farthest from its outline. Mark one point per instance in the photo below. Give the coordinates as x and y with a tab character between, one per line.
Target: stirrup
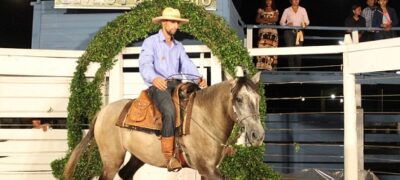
174	165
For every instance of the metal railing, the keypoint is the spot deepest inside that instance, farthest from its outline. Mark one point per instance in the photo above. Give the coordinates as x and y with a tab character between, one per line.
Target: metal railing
346	30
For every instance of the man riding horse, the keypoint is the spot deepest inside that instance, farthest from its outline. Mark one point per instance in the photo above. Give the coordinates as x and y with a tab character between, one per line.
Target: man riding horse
162	57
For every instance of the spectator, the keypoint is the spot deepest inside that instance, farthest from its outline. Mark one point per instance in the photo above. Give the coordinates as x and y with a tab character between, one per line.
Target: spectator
355	19
368	14
267	37
384	17
294	15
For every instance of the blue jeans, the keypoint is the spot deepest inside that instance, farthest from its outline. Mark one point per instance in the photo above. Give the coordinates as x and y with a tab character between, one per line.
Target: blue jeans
164	103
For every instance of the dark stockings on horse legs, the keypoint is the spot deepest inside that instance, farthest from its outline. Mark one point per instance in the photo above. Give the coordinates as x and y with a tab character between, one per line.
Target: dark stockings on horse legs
130	168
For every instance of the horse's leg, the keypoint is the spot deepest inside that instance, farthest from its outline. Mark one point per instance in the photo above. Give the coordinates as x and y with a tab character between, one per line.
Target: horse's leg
111	164
211	174
130	168
108	139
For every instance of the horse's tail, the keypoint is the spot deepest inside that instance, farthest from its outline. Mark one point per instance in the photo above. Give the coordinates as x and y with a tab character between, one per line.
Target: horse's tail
69	168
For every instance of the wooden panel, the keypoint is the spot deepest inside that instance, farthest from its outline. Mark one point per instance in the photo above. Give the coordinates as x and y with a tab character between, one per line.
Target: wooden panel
323	136
196	61
34	80
42	66
29	114
70	31
41	53
151	172
133	78
27	175
31	159
33	134
30	104
28	147
305	149
296	50
292	167
188	49
29	152
363	56
34	90
134	88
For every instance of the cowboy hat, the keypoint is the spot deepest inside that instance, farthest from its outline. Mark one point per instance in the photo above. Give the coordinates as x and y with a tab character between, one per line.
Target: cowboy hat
170	14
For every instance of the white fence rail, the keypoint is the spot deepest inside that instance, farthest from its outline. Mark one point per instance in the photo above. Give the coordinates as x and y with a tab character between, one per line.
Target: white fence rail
27	153
35	83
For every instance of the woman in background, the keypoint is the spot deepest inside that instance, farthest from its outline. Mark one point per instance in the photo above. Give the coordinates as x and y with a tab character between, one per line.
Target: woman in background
267	37
384	17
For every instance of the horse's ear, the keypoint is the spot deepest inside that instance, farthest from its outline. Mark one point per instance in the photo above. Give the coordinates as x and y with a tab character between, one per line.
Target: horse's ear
239	71
256	77
227	75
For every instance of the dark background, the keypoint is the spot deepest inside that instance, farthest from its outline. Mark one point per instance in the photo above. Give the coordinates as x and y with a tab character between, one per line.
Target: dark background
16	23
320	12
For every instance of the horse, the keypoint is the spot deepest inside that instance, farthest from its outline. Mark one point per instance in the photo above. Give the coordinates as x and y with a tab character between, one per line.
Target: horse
215	110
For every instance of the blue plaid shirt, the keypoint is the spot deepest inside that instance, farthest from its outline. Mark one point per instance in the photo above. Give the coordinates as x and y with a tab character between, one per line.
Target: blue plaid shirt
368	14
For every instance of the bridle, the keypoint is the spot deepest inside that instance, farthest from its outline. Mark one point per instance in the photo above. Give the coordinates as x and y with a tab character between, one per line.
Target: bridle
228	144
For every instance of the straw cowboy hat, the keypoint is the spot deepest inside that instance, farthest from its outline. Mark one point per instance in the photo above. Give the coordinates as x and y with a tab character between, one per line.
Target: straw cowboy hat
170	14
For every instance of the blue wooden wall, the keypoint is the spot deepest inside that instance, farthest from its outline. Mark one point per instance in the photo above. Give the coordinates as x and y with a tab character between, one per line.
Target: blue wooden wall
73	29
299	141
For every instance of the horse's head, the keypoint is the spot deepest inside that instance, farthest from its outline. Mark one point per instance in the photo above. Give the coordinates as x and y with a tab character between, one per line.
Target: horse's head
245	101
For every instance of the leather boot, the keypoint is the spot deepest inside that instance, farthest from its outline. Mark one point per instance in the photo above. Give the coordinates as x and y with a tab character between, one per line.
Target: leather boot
167	148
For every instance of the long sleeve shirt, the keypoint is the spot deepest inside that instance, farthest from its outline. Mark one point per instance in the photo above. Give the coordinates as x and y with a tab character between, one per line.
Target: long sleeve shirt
289	16
368	14
158	59
377	20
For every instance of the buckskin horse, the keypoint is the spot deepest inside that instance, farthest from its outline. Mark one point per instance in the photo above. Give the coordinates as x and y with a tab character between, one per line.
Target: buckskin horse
215	110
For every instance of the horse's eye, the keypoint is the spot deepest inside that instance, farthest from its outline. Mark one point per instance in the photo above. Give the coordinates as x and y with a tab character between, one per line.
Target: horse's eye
239	100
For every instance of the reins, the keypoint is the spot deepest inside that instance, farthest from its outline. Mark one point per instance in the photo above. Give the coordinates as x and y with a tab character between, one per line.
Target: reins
229	142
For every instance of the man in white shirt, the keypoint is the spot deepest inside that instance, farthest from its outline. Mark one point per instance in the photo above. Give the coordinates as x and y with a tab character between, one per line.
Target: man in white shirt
294	15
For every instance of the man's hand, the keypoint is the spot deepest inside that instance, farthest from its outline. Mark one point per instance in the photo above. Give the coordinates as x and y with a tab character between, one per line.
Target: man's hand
202	83
160	83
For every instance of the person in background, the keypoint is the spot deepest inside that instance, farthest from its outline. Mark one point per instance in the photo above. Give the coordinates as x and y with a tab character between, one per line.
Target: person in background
267	37
355	19
295	15
368	14
384	17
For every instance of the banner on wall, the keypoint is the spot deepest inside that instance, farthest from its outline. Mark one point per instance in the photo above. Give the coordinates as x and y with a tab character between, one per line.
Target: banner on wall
119	4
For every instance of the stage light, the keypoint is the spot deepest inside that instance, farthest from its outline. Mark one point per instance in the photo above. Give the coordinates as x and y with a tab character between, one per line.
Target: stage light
341	100
303	99
341	42
333	96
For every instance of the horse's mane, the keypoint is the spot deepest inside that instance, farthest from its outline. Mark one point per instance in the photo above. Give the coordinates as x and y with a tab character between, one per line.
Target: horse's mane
204	96
243	81
222	89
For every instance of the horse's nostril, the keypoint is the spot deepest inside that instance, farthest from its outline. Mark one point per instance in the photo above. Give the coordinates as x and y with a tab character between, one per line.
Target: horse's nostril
254	135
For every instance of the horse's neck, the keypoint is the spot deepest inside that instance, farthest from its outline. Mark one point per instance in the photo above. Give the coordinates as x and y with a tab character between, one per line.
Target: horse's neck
215	103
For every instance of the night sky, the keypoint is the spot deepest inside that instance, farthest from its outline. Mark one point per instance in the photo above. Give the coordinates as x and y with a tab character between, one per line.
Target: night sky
16	23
